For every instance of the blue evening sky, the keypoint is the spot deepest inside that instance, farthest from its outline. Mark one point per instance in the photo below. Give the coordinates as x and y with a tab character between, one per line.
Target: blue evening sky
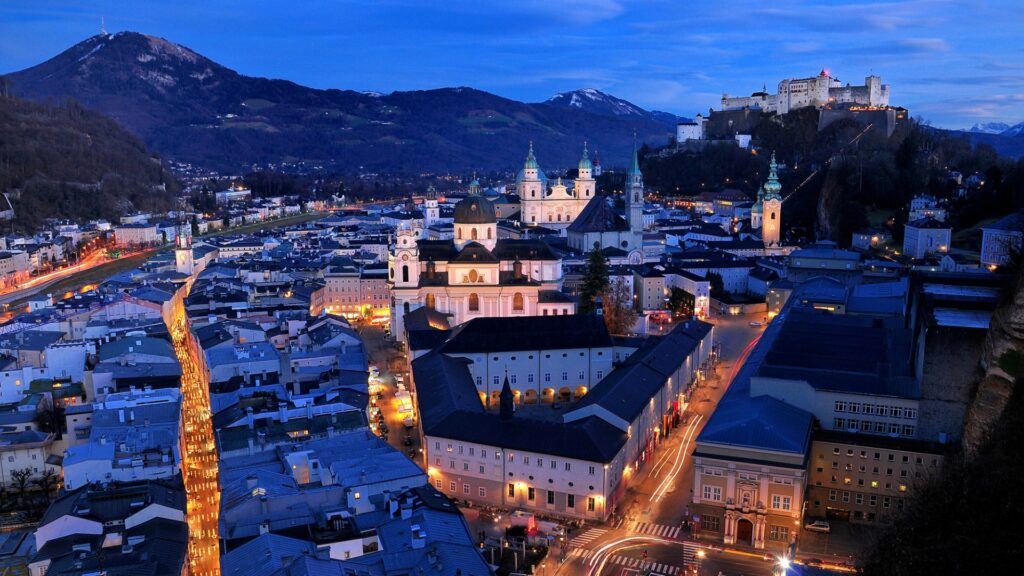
954	63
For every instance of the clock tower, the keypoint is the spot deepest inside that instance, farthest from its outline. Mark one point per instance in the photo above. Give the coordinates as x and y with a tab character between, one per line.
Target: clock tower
771	225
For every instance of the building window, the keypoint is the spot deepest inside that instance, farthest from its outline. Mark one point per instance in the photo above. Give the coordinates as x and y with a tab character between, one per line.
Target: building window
430	301
570	501
591	470
517	302
511	490
713	493
531	493
778	533
482	492
860	498
600	374
591	504
465	489
547	377
832	495
474	302
565	376
452	486
712	523
846	497
540	462
567	466
529	378
437	483
512	379
583	374
496	380
551	497
481	468
405	273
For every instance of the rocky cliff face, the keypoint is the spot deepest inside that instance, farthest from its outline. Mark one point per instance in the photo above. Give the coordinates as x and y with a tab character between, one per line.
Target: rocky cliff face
1002	363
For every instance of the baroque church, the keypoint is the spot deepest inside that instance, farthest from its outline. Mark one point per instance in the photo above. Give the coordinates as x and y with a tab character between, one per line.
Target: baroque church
553	205
598	226
475	274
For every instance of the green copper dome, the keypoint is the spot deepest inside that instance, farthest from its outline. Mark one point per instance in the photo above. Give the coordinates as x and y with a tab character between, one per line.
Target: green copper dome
585	161
531	161
772	188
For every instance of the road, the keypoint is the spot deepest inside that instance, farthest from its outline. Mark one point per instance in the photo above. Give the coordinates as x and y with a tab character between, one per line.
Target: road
656	504
40	283
199	458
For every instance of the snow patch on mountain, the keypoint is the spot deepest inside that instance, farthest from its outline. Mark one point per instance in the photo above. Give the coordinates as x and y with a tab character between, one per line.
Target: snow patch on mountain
989	127
1015	130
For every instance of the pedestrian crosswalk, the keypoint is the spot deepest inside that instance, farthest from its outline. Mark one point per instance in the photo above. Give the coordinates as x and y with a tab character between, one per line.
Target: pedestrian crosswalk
689	553
645	566
587	537
653	529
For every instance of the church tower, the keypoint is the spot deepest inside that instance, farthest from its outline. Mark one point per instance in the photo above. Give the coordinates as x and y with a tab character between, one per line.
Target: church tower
583	188
635	194
183	249
431	212
404	276
771	227
757	210
531	187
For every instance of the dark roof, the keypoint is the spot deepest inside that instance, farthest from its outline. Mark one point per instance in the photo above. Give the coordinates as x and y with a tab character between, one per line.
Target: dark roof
475	252
554	297
928	222
475	210
855	354
598	216
424	318
628	389
878	441
762	422
523	250
450	407
529	333
438	250
1011	223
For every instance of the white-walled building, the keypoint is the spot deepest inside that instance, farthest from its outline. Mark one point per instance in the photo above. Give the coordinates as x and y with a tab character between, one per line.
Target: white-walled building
820	90
1001	239
926	236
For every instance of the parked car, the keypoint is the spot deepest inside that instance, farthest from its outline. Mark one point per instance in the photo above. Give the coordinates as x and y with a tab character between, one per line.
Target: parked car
756	324
819	526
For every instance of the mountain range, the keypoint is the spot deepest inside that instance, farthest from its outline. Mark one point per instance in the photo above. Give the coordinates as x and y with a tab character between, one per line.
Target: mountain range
192	109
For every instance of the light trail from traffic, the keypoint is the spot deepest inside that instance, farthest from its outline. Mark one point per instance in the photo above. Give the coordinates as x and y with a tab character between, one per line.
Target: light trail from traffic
680	459
199	459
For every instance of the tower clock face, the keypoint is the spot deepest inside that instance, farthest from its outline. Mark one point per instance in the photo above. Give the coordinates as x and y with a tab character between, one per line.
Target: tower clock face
405	257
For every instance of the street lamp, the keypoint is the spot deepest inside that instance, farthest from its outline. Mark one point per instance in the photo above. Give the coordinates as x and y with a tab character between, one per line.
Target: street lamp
700	557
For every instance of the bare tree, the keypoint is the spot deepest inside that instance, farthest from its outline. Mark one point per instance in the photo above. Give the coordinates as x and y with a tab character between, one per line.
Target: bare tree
21	478
618	308
46	481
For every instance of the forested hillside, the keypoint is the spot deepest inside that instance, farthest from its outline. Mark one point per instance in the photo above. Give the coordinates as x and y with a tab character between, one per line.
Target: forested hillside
65	161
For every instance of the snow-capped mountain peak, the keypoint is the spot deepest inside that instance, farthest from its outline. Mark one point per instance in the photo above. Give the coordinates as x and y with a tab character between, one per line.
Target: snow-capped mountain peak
1015	130
989	127
598	102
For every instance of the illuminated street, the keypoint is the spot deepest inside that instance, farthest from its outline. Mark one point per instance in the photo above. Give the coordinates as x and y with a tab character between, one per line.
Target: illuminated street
199	456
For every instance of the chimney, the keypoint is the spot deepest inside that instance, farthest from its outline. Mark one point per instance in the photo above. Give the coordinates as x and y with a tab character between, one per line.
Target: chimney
419	537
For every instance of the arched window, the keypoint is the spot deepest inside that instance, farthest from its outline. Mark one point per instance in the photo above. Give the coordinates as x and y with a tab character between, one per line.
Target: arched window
459	232
488	233
406	307
405	273
392	273
430	301
474	234
773	215
517	302
474	302
559	217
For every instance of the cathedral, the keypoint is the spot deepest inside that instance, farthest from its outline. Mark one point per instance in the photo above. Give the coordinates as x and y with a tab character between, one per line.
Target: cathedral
598	226
475	274
553	205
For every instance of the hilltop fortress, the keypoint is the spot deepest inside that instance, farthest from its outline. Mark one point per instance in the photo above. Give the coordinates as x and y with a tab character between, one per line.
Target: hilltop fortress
818	91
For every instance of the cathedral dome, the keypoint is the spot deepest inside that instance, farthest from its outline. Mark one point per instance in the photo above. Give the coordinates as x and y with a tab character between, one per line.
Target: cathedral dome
475	210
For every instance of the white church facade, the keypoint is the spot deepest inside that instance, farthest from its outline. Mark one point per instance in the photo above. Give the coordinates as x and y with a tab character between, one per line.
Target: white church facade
475	274
553	205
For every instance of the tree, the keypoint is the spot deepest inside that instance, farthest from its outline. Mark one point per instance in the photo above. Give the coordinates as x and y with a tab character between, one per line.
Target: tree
680	302
595	281
46	481
20	478
617	303
50	417
717	284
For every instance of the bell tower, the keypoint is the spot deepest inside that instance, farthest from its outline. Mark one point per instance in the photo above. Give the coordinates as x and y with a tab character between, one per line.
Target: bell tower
635	194
183	249
771	226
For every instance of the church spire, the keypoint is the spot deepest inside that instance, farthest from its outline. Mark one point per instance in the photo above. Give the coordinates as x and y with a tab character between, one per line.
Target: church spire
772	188
635	169
531	161
506	401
